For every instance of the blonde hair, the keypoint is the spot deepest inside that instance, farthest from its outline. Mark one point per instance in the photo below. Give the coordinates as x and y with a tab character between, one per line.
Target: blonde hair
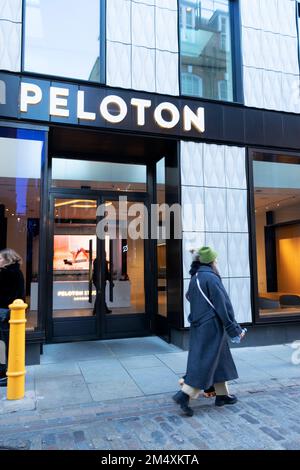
10	257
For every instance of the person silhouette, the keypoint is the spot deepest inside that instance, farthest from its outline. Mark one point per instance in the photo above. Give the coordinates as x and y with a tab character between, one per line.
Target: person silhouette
96	282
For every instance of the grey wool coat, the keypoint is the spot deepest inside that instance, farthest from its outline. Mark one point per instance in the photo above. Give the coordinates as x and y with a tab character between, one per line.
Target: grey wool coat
209	359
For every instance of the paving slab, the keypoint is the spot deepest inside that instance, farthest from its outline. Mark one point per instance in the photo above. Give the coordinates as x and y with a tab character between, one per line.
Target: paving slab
114	389
155	380
175	361
28	403
140	346
140	362
102	371
62	391
79	351
61	369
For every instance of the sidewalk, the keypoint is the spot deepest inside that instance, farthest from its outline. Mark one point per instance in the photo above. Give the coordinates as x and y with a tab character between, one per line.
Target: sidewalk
128	384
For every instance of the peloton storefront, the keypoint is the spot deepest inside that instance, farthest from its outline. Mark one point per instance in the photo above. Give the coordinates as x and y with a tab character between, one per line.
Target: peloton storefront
72	155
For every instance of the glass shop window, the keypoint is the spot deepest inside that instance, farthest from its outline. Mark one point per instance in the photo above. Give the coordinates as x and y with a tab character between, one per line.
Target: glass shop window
205	48
277	216
62	38
20	181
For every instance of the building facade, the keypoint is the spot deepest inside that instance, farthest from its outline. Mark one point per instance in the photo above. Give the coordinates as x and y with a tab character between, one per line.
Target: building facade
108	110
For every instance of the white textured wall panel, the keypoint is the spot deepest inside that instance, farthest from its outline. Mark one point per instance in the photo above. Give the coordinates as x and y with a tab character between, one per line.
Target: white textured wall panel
235	168
272	90
143	26
118	67
150	29
237	210
11	10
147	2
192	209
10	46
120	28
191	164
291	93
286	18
214	166
269	53
253	87
251	47
250	13
170	4
166	34
239	292
166	73
238	255
10	35
224	224
215	209
219	242
143	68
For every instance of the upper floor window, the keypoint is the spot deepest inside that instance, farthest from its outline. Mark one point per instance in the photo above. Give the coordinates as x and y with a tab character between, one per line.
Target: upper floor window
62	38
191	84
205	48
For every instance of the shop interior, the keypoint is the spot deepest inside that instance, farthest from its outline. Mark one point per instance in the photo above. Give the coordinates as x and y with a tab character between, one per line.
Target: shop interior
277	215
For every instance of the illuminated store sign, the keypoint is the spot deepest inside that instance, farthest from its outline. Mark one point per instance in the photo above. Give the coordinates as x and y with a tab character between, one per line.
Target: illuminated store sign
29	98
112	108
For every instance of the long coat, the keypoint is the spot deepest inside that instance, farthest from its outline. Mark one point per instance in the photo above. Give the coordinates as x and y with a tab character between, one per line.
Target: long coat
11	284
209	359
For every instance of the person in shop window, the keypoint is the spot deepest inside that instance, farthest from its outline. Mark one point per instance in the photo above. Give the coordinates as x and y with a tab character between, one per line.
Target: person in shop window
96	282
11	288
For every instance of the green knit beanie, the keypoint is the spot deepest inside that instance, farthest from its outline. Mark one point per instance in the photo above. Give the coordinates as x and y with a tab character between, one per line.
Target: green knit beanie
207	255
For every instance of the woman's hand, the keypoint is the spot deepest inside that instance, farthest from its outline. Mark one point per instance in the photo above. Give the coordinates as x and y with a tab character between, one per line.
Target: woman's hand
242	334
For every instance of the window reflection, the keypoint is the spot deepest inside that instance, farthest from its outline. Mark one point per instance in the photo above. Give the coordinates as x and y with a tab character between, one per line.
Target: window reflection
62	38
69	173
20	168
205	49
161	242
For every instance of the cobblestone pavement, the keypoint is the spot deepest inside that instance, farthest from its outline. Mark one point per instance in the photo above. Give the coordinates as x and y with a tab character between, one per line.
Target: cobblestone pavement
267	416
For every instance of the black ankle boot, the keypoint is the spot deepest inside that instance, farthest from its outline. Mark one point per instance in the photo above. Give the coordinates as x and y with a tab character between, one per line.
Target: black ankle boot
222	400
183	400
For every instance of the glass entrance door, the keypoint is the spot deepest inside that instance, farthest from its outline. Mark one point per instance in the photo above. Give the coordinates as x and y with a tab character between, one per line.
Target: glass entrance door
74	255
125	281
98	261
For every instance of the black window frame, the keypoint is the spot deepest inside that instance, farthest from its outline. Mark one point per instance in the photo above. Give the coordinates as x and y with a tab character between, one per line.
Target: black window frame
102	50
236	54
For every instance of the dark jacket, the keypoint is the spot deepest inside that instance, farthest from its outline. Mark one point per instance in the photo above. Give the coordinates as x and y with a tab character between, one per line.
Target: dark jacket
11	284
96	272
209	359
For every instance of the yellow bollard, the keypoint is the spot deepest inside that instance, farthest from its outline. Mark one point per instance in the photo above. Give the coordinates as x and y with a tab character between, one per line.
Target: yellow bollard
16	353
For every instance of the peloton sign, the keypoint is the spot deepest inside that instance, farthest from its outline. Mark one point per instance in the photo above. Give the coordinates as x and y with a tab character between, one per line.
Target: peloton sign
112	108
103	107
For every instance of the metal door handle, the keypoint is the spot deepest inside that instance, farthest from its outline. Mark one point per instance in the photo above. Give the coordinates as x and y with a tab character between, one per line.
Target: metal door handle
90	271
111	267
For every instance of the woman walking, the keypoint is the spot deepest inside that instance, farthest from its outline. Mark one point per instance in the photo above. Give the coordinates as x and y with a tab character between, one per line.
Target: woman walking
210	362
11	288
